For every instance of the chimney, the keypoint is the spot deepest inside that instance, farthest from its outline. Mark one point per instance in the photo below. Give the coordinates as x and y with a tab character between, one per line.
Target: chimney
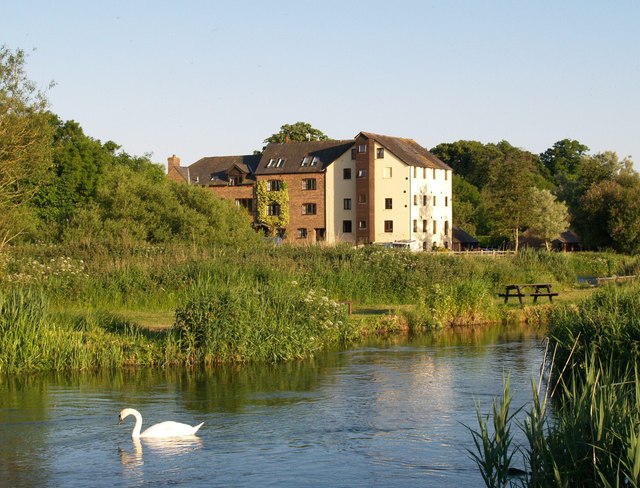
174	162
286	139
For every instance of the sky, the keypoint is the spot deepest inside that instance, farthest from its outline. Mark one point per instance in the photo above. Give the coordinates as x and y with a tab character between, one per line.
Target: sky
213	78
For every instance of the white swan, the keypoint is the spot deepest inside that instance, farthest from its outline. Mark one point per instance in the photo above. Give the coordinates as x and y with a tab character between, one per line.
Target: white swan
163	429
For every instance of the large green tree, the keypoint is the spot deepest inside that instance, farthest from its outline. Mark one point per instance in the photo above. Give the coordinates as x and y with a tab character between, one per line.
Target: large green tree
468	207
508	197
298	132
78	164
25	144
564	156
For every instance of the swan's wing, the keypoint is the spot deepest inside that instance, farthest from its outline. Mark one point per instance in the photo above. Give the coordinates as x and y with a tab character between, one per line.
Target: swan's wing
170	429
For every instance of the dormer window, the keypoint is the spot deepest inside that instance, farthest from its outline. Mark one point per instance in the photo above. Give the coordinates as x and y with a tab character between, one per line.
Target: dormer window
280	163
315	161
305	161
214	177
235	180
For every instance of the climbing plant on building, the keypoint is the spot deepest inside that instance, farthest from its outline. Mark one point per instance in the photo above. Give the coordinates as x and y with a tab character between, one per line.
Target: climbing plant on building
273	199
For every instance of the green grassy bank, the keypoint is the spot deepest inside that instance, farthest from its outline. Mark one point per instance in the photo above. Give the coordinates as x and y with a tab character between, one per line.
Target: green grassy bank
156	305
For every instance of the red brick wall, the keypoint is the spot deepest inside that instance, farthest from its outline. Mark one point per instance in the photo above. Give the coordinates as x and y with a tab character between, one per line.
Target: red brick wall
298	197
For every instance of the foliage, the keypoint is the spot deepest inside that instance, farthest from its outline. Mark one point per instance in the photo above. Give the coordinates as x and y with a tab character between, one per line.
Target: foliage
564	157
298	132
508	198
25	141
612	208
266	198
265	321
468	206
548	218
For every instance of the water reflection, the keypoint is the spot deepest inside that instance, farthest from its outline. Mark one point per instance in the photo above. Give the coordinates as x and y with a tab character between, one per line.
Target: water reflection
387	412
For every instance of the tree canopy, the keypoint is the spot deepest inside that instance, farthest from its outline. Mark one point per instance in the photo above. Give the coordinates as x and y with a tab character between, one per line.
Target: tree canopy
298	132
25	143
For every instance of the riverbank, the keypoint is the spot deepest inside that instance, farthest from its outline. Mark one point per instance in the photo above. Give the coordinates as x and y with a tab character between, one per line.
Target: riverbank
161	306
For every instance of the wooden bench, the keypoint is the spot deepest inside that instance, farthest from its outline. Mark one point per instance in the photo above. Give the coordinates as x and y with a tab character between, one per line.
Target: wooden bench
539	290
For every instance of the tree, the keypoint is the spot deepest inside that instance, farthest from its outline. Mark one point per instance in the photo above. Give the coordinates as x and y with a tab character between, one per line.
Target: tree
549	217
564	157
78	165
508	198
613	209
298	132
25	143
468	207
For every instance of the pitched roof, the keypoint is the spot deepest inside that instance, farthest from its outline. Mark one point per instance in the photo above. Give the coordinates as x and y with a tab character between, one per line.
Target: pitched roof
407	150
300	157
460	235
215	170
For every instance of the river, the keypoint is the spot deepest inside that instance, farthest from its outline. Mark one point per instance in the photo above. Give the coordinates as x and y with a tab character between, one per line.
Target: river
385	413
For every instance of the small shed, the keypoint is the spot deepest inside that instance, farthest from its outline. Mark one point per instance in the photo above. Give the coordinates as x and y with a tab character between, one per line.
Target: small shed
568	241
463	241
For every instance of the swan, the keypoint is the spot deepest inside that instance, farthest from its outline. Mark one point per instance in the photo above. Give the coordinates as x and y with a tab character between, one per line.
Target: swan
163	429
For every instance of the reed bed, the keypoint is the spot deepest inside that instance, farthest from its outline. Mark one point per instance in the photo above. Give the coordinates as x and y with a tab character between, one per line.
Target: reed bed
592	437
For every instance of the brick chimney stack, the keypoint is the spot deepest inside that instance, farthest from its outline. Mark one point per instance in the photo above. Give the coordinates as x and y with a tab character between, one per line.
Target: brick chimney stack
174	162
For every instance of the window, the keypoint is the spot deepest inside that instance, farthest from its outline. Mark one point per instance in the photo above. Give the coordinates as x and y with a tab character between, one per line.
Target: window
309	184
388	225
362	224
387	173
346	173
446	175
415	171
346	226
280	163
446	201
362	198
271	163
274	185
416	199
446	227
235	180
415	225
362	173
434	200
308	209
424	226
353	153
435	227
424	200
362	148
388	203
380	153
305	161
302	233
424	173
315	161
246	203
347	203
273	209
434	173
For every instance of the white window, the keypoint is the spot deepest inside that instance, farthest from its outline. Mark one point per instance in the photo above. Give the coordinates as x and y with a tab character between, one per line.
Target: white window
387	172
362	148
271	163
315	161
305	161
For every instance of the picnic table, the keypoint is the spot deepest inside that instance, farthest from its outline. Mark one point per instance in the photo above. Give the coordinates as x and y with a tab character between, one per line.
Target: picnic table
518	290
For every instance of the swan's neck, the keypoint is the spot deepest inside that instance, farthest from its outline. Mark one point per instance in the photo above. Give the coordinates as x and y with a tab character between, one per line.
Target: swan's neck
138	426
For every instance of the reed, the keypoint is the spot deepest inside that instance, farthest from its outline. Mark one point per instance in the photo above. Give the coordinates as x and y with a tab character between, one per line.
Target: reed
592	437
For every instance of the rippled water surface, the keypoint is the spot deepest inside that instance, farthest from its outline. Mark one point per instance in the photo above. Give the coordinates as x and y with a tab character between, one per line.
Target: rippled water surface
381	414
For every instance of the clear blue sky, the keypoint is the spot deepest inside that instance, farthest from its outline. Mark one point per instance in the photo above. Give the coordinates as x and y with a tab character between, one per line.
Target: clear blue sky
203	78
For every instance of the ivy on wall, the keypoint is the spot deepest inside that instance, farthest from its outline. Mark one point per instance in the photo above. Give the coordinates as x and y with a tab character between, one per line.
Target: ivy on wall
266	198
